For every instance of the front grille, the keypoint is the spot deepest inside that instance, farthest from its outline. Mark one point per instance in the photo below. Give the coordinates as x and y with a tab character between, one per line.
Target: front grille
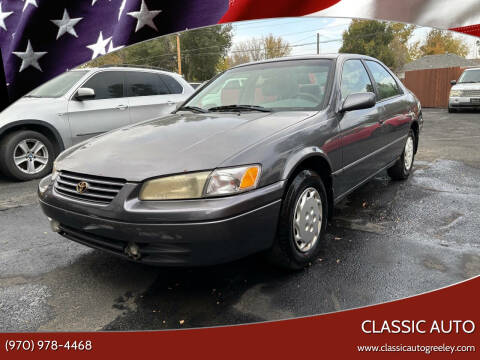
470	93
98	189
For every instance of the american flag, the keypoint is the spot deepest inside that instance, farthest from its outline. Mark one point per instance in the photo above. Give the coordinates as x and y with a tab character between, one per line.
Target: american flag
40	39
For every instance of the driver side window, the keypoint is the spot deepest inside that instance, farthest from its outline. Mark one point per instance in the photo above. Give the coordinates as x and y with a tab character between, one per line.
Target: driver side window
106	84
355	79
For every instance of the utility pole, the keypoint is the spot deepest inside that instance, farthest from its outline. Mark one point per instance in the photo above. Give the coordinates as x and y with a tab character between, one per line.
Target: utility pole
318	43
179	55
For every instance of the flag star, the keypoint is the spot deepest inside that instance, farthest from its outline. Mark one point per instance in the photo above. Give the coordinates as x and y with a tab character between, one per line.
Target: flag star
145	17
94	1
29	2
99	47
111	48
66	24
122	7
29	57
3	16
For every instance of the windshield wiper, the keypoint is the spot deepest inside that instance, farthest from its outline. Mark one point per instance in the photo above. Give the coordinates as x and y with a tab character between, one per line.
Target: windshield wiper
240	108
193	108
468	82
31	96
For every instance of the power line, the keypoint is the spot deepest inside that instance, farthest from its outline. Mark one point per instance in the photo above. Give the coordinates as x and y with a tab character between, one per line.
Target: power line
189	52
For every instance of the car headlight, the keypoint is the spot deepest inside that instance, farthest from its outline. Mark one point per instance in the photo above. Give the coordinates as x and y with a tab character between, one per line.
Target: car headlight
185	186
202	184
232	180
455	93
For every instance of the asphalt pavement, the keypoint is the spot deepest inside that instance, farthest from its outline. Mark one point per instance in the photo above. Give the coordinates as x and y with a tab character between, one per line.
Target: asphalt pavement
388	240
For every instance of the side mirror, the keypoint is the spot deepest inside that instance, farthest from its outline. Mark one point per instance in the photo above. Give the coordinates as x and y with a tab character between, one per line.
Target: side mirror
453	82
85	94
358	101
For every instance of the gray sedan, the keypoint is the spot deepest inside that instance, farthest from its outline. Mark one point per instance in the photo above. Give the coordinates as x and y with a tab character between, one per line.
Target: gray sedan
261	171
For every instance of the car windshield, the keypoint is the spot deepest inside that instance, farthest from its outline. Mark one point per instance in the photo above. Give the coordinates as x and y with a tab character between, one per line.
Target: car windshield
276	86
470	76
58	86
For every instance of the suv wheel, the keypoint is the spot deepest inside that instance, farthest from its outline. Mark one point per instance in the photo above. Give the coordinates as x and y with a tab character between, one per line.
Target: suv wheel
401	169
26	155
302	223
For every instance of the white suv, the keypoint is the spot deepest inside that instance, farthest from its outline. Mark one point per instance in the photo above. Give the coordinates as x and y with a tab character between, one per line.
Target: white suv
77	105
465	93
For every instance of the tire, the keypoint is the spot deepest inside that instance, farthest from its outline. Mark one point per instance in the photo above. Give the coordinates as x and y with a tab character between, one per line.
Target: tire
400	171
451	110
286	251
23	144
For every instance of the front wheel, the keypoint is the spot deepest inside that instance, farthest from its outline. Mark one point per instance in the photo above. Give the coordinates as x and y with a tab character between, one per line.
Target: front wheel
26	155
402	168
302	223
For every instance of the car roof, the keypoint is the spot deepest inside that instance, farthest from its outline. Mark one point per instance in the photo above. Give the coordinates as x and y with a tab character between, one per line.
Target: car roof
126	68
332	56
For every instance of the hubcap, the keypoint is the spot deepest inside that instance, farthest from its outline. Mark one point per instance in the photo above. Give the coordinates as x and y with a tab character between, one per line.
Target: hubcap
408	157
307	219
30	156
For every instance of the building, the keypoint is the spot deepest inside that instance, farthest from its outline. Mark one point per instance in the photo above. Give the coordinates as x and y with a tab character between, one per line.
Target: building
429	77
438	62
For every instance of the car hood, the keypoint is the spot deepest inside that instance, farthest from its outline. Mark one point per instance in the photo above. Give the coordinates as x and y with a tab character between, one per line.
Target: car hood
27	108
466	86
177	143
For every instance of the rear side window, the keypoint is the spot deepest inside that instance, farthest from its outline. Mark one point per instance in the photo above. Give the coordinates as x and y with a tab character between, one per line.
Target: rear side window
173	85
145	84
387	86
355	78
106	84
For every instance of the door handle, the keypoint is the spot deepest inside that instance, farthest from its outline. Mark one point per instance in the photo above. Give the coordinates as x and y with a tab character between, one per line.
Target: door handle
170	102
122	107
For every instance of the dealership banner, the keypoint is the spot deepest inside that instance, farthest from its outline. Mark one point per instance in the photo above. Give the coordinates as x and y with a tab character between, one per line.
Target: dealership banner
440	324
40	39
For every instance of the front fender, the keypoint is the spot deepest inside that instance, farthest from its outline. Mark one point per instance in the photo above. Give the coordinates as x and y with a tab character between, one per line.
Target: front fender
298	157
37	123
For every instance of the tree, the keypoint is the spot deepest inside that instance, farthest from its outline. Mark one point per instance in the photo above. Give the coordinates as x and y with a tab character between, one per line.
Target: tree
256	49
201	51
441	42
369	37
402	51
275	47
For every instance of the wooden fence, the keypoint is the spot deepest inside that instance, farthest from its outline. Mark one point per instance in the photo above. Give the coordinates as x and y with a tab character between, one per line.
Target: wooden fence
432	86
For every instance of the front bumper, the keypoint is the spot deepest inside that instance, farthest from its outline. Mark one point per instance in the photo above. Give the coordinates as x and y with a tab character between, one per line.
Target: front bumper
464	102
170	233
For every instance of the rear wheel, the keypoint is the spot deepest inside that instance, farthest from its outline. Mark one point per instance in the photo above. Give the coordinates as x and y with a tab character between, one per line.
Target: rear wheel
302	223
401	169
26	155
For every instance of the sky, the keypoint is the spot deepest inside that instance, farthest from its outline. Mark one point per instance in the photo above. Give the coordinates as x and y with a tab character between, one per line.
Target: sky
301	33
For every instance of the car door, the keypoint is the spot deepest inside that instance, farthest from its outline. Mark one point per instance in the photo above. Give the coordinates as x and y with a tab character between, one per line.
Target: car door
393	111
148	96
108	110
358	130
